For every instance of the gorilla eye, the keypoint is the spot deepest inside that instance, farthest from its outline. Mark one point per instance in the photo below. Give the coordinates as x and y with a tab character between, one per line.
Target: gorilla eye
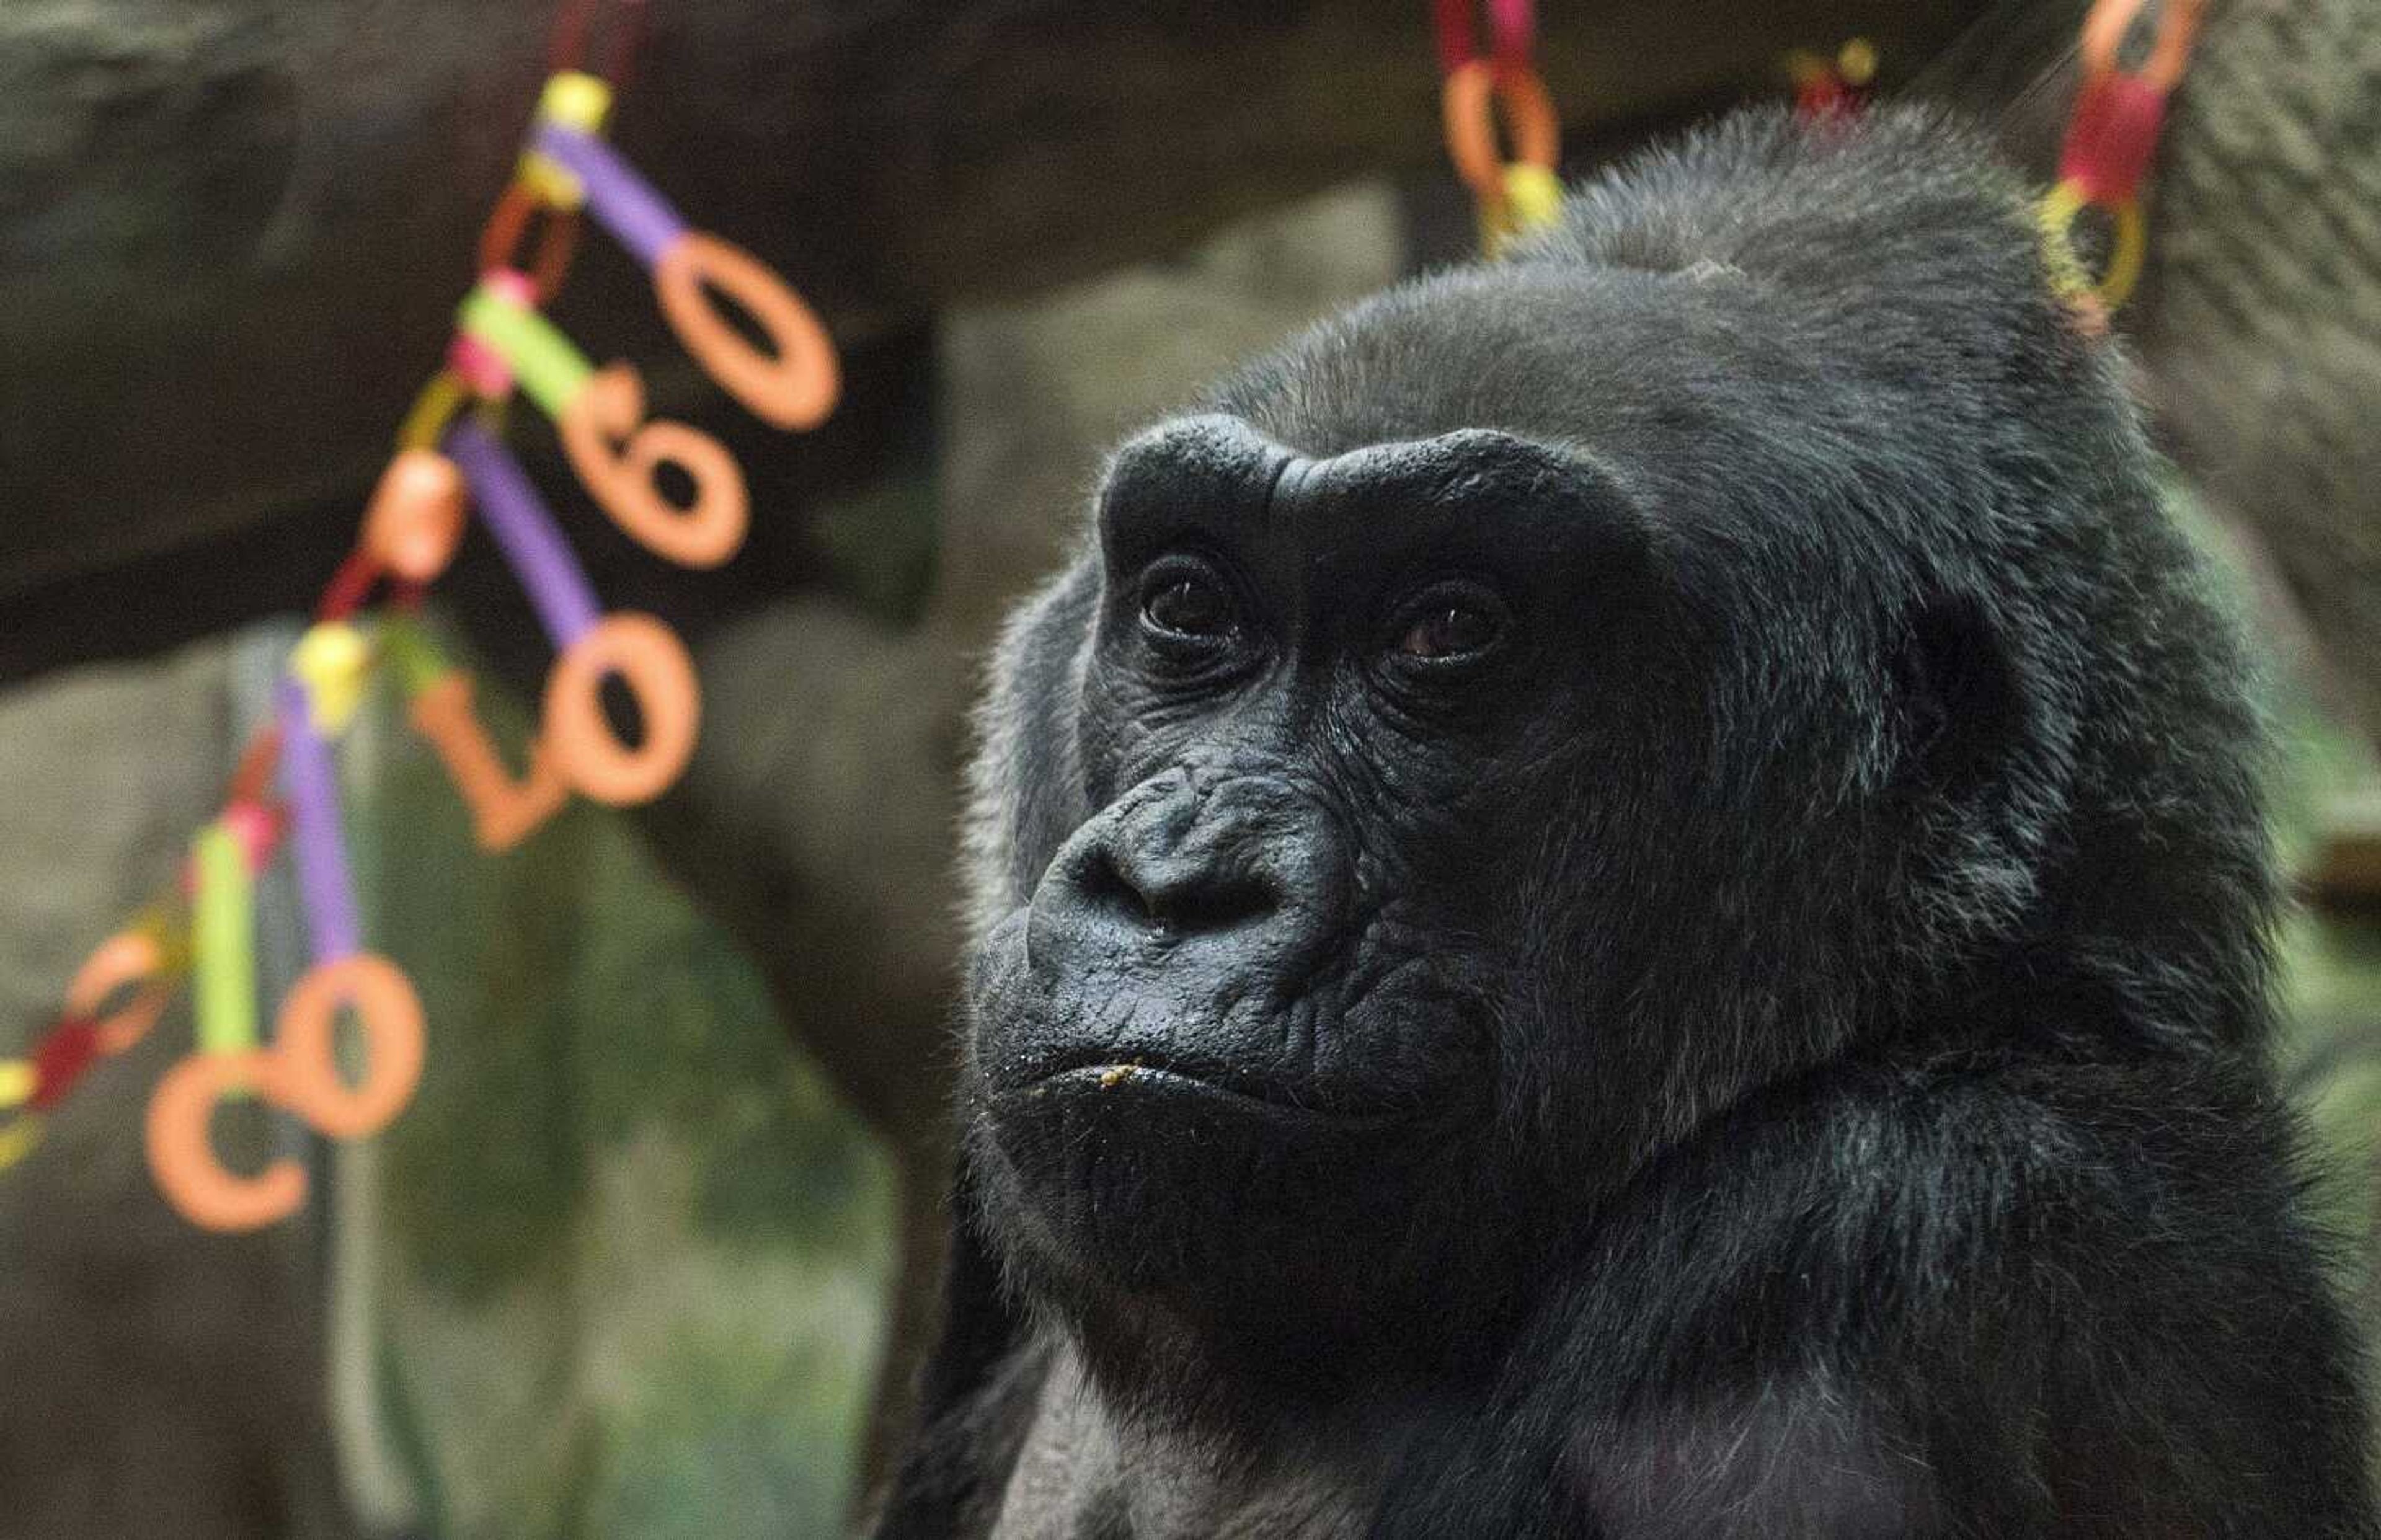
1448	630
1184	605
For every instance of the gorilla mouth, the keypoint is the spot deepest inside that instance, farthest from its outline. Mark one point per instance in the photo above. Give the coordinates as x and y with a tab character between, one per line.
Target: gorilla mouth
1140	1079
1171	1032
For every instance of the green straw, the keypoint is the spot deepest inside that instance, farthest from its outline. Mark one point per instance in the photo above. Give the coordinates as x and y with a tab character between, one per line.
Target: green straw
223	925
419	664
549	369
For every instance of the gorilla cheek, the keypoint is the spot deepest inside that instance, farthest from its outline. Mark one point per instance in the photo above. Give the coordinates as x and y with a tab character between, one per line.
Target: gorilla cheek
1005	1005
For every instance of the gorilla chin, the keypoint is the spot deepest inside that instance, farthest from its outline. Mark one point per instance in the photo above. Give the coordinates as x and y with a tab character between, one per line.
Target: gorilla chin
1142	1180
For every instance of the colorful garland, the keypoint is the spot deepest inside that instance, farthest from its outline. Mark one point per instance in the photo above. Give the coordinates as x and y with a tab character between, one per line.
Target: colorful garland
2111	136
451	457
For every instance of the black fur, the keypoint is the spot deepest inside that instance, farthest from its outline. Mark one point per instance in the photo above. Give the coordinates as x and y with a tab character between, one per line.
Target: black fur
1625	895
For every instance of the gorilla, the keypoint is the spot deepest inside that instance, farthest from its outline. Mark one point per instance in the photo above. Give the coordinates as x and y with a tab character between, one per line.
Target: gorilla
1624	895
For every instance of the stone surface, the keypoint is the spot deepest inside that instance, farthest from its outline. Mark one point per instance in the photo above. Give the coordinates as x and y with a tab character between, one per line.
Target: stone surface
2260	326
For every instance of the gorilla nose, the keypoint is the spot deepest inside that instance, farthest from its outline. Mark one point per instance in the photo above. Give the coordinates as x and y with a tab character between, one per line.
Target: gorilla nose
1171	894
1186	857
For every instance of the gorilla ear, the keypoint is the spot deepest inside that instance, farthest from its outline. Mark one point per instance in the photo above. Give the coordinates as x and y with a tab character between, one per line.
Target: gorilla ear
1956	702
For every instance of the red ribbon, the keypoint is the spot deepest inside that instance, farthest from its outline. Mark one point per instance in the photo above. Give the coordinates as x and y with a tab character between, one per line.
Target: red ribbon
567	45
2112	135
61	1058
1514	24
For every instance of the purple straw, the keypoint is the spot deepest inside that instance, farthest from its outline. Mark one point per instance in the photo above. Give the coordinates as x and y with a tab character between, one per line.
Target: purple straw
639	218
312	788
541	559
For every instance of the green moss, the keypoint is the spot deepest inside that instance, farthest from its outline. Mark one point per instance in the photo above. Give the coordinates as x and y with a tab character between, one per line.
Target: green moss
733	1437
617	1173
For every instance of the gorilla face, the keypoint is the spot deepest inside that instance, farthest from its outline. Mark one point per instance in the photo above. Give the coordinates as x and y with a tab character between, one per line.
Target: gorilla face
1360	738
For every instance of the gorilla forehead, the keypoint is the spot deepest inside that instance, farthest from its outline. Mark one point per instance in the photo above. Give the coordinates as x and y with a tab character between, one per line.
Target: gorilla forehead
1690	398
1763	326
1674	420
1611	359
1217	474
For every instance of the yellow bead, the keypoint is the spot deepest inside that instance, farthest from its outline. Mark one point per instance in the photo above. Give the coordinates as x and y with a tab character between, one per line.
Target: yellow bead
1856	62
1533	201
333	659
574	99
1534	194
169	930
16	1082
18	1138
554	186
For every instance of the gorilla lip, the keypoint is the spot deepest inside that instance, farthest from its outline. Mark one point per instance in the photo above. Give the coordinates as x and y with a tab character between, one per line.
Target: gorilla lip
1140	1078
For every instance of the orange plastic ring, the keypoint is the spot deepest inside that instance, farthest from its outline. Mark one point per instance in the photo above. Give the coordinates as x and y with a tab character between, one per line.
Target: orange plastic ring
651	661
797	386
2179	24
390	1014
182	1158
123	959
416	515
510	221
611	408
1474	93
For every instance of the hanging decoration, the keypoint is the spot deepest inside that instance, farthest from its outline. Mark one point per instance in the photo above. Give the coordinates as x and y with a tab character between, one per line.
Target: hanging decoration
451	460
1831	90
1523	193
2111	136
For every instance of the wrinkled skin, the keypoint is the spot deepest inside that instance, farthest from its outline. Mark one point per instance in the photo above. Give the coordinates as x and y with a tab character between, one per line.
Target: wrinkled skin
1623	895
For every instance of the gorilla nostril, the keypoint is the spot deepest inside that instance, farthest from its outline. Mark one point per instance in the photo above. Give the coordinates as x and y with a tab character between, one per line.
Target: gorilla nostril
1101	886
1164	895
1213	906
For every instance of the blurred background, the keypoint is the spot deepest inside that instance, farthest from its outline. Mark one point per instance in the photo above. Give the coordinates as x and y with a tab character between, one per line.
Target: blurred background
653	1250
